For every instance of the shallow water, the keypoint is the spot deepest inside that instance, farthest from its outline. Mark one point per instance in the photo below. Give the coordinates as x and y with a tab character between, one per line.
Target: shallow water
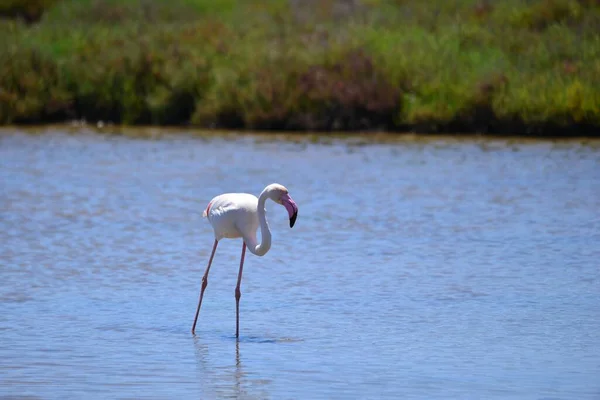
416	269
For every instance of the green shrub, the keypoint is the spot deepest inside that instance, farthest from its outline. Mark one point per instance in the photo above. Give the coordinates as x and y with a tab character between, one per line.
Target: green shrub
29	10
468	65
31	88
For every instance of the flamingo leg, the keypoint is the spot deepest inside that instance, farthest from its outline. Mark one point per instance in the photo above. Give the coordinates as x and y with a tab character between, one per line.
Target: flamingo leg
238	293
204	284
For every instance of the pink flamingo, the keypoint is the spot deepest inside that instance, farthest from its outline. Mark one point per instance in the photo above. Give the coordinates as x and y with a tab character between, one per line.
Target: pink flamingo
235	215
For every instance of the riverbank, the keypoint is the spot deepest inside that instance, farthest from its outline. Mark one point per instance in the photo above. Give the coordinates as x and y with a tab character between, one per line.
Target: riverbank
518	68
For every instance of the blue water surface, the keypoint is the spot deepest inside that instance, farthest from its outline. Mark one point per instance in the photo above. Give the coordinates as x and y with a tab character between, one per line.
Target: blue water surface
438	269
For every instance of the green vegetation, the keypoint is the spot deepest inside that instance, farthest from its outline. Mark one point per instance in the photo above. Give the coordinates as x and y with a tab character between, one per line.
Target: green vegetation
28	11
514	67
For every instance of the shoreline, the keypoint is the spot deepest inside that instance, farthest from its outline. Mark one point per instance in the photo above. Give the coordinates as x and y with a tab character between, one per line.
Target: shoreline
352	137
536	131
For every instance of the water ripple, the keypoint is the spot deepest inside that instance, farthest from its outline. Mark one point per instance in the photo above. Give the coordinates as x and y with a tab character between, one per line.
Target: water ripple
416	269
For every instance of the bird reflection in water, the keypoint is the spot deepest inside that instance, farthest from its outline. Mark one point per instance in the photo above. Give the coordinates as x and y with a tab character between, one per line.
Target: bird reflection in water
220	376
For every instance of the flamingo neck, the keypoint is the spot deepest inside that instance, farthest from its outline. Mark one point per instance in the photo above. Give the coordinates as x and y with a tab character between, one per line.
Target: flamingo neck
263	247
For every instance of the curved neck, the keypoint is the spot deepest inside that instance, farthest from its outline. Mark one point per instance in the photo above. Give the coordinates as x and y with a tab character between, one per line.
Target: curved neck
261	248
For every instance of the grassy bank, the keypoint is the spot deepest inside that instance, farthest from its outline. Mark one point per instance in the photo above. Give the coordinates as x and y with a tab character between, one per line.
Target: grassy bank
516	66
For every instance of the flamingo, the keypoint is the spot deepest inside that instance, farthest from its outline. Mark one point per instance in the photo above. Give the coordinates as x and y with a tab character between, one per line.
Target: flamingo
238	215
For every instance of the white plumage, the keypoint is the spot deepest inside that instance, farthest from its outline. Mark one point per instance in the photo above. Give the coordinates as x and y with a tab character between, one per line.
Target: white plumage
233	214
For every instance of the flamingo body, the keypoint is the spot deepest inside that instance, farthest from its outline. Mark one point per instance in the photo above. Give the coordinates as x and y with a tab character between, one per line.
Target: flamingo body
233	215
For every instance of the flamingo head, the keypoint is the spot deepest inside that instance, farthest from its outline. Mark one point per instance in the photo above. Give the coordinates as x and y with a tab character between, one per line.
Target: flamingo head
280	195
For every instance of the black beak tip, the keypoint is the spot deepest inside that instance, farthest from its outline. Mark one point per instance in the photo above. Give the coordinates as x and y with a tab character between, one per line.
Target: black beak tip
293	219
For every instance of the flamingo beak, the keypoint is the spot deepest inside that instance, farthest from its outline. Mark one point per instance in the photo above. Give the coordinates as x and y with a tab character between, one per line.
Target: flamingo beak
291	207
